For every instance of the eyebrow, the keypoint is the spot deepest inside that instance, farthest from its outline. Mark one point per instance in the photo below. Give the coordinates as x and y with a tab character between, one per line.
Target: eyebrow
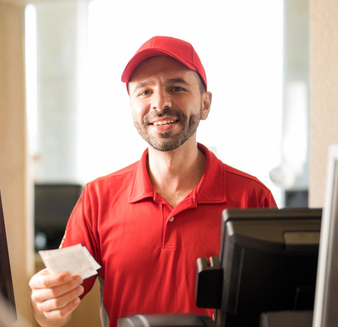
168	81
142	84
177	80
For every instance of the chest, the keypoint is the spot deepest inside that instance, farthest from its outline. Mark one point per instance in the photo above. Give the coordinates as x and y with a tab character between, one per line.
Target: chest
154	234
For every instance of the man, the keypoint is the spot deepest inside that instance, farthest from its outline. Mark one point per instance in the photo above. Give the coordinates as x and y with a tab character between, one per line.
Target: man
148	223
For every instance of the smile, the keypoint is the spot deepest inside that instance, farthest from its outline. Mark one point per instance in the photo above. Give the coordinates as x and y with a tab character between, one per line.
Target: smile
163	122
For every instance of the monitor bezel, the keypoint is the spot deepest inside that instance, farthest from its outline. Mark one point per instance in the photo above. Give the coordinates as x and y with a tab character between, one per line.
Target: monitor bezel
327	238
284	217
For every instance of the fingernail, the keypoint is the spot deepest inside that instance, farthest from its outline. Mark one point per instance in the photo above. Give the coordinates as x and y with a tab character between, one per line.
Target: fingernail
78	279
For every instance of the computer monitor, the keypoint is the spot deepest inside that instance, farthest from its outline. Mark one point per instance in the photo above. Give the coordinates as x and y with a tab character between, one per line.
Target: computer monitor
6	282
269	257
53	205
326	300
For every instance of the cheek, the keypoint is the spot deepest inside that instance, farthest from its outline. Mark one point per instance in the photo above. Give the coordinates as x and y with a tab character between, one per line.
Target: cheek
137	109
186	104
193	108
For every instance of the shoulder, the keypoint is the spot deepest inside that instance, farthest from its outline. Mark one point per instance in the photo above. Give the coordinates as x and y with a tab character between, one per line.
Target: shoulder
237	188
245	190
238	176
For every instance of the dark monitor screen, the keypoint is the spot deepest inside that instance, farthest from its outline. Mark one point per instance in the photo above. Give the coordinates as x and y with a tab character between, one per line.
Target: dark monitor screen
6	283
269	258
52	208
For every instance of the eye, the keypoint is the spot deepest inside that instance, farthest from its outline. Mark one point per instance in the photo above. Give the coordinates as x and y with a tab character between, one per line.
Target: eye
177	89
144	93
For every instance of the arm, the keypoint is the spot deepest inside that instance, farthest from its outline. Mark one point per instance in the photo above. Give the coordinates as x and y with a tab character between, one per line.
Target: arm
54	297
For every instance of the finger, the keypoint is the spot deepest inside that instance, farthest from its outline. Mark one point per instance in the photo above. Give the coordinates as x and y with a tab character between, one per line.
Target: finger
45	279
58	303
43	294
63	312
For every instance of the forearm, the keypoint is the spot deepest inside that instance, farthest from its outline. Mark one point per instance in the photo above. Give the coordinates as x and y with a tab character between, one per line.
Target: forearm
44	321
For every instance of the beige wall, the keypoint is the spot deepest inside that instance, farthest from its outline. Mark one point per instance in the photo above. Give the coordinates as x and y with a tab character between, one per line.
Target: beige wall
13	155
16	182
323	92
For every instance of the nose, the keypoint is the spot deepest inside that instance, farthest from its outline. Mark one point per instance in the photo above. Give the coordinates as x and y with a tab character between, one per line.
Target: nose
160	100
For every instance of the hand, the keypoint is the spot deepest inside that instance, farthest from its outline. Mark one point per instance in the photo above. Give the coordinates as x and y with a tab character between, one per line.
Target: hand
55	296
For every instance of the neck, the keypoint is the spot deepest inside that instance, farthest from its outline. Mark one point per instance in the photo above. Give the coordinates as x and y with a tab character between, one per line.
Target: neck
174	174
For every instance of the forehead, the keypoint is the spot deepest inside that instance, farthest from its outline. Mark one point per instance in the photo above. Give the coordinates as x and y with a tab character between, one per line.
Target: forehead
158	66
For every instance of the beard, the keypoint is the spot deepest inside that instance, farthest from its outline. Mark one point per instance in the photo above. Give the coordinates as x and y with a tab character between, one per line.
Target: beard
165	141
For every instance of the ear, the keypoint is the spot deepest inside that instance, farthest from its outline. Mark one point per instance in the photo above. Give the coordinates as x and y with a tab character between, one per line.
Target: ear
206	104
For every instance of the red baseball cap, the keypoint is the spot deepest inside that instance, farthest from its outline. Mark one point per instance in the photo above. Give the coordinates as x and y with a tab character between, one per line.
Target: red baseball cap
165	46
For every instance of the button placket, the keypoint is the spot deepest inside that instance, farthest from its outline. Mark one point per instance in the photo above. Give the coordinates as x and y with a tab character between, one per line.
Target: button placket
165	214
168	227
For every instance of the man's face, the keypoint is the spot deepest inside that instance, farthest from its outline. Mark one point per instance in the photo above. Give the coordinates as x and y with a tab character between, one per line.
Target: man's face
167	104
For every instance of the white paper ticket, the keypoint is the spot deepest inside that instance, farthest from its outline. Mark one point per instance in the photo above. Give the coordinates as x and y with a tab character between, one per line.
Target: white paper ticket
75	259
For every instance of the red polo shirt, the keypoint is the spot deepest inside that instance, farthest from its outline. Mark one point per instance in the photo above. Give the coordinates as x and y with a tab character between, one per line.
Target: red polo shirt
147	249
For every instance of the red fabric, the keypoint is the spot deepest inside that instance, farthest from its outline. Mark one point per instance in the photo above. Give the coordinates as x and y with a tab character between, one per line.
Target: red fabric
165	46
149	259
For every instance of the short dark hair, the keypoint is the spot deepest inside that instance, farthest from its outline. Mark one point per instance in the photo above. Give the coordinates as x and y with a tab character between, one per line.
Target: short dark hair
202	86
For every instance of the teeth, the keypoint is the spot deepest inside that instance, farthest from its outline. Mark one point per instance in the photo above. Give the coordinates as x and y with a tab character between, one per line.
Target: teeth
163	122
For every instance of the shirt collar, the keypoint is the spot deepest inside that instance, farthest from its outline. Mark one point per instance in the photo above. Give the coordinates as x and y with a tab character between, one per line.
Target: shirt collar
141	185
211	188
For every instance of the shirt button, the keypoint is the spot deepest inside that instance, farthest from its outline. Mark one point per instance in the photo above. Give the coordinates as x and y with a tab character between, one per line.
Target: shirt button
172	219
